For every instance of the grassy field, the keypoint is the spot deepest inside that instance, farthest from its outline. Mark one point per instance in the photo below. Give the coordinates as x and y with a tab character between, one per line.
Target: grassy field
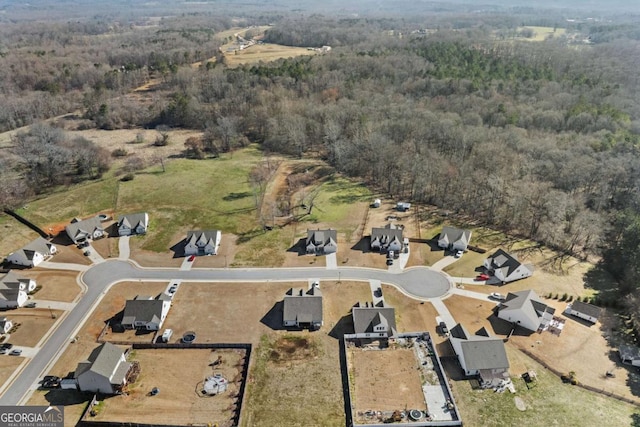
543	33
550	403
14	234
264	53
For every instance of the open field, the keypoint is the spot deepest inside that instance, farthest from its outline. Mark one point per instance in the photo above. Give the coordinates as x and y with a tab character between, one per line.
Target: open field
33	323
542	33
385	380
179	374
14	235
264	52
550	403
56	285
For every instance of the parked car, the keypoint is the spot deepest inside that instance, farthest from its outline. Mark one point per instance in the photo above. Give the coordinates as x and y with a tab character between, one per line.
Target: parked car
3	351
498	296
389	261
191	258
15	352
391	254
458	254
50	378
51	381
87	252
443	328
482	277
173	289
30	305
6	346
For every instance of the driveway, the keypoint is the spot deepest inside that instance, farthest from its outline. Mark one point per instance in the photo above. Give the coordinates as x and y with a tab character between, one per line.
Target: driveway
123	248
447	260
332	261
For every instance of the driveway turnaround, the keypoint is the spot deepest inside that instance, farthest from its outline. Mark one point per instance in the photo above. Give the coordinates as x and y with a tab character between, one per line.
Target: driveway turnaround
416	282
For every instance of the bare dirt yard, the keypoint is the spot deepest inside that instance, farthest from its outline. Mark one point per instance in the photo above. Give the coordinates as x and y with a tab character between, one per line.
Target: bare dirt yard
385	380
179	374
214	310
33	324
8	364
56	285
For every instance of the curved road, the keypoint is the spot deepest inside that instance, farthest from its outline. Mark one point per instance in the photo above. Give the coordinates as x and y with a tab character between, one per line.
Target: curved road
418	282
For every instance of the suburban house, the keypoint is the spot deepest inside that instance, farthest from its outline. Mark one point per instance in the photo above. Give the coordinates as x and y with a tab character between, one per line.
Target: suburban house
388	238
455	239
133	224
506	268
526	309
584	310
145	312
481	355
629	355
105	371
14	290
371	320
5	325
204	242
303	309
322	242
87	229
33	253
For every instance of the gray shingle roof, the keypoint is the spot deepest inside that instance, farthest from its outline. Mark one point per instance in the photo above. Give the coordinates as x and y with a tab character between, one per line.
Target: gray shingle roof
480	351
87	226
587	309
142	310
104	360
38	245
453	234
132	220
528	302
388	233
303	307
501	259
364	317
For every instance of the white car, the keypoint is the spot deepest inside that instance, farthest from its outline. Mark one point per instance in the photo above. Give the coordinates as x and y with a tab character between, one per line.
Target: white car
498	296
458	254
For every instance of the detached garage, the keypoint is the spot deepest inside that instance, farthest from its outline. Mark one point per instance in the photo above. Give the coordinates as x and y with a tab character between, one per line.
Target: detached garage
584	311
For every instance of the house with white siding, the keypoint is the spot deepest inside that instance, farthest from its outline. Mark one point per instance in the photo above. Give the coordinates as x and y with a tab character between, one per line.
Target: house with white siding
204	242
33	253
455	239
526	309
145	312
506	268
105	370
14	290
83	230
133	224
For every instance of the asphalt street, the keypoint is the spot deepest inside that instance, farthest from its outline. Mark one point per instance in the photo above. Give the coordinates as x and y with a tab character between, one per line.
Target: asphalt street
416	282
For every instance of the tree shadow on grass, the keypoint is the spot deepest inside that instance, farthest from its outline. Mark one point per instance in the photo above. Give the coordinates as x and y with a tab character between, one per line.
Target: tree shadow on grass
635	420
247	236
236	196
599	279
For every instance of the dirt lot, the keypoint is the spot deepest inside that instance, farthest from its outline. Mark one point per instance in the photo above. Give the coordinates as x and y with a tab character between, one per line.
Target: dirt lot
8	364
32	323
255	306
179	374
385	380
56	285
68	253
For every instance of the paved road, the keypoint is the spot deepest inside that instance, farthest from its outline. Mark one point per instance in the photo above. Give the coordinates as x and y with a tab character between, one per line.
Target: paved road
418	282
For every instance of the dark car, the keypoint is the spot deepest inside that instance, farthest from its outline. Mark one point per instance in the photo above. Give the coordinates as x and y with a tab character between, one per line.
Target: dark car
51	384
443	328
50	378
6	346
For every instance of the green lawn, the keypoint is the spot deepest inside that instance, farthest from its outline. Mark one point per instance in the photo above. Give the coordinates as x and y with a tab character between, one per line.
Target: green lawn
74	201
550	403
340	203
